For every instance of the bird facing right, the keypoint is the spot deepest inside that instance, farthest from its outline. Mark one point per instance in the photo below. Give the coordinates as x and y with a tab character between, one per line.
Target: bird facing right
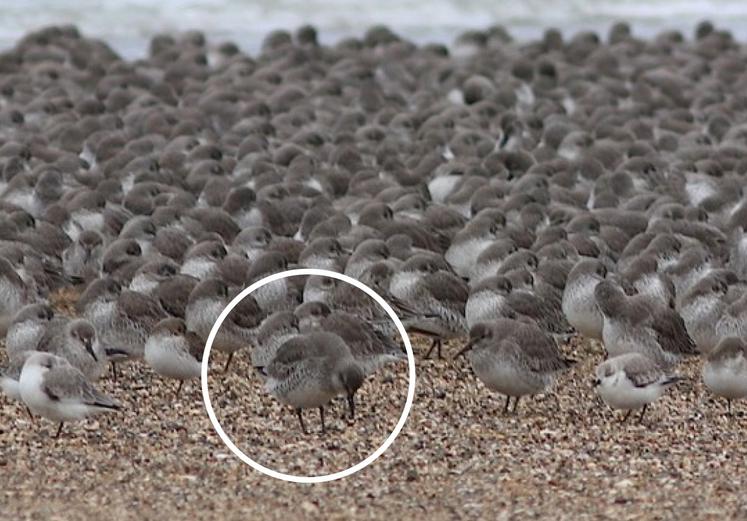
725	370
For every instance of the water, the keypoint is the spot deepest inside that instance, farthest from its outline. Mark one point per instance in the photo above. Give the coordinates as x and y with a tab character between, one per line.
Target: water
128	24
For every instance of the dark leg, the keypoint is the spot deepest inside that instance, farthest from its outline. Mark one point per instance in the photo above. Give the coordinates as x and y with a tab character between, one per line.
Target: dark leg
516	403
28	411
300	420
228	362
435	344
114	372
508	402
728	406
179	389
59	430
321	416
643	411
627	415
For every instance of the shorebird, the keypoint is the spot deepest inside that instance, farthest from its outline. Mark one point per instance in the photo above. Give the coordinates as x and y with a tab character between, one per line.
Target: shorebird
81	261
488	300
77	342
309	370
122	318
15	294
631	381
52	388
514	358
10	378
273	332
702	308
439	297
369	347
324	253
579	304
725	370
641	324
174	352
206	302
27	329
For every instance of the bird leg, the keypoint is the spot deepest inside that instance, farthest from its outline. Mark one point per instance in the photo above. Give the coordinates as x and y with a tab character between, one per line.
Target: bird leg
508	402
435	344
516	403
351	405
728	406
321	416
179	389
627	415
28	411
59	430
114	372
300	420
643	411
228	362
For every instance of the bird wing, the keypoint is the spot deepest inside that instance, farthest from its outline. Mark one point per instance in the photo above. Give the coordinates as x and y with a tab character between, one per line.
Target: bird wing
195	345
671	332
538	348
52	335
642	371
447	288
141	309
68	383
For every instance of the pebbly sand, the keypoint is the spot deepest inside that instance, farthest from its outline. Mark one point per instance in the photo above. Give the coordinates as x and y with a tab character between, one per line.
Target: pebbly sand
458	456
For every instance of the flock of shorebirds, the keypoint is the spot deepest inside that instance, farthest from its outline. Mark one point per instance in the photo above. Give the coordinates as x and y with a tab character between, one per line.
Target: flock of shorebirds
509	193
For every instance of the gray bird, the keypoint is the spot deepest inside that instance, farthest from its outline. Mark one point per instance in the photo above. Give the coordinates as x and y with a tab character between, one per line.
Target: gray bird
579	303
27	329
366	254
202	259
725	370
122	318
702	307
82	260
369	347
273	332
309	370
637	323
151	274
15	292
278	295
488	300
173	352
206	302
514	358
77	342
324	253
438	295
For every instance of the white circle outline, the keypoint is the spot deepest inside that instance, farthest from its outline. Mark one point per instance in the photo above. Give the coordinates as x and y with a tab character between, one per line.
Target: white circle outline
290	477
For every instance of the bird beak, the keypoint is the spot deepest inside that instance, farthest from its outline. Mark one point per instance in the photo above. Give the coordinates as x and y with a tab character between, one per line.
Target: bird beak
596	382
351	405
464	350
89	348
